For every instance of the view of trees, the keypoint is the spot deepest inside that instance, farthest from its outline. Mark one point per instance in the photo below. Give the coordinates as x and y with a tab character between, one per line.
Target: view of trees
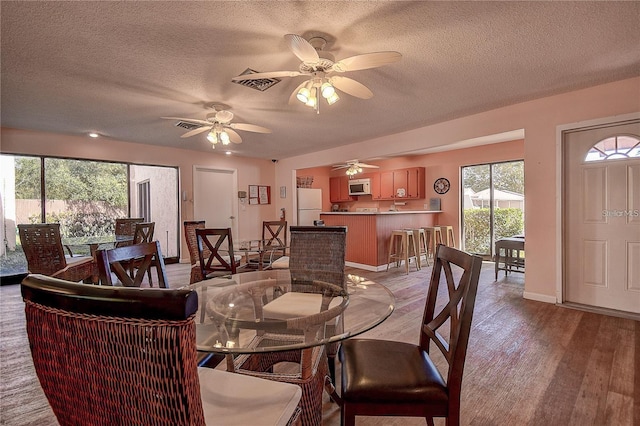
508	176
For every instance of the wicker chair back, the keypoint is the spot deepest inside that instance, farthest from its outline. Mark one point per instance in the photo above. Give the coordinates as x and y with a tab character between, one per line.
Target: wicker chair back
42	246
317	253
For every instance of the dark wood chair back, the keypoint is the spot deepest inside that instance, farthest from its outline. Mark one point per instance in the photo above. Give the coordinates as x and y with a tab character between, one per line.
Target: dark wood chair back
218	243
143	232
136	349
118	261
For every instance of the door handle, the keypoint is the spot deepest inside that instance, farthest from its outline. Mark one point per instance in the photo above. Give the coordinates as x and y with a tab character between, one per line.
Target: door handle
232	217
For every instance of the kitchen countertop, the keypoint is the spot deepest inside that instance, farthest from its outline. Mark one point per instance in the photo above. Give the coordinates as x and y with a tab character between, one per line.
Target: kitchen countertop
387	212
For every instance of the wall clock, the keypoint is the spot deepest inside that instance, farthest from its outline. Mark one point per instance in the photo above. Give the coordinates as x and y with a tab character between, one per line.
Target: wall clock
441	185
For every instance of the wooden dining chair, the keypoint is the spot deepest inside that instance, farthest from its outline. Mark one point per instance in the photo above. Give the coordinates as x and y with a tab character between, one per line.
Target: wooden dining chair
274	239
126	227
42	246
190	227
218	244
117	260
388	378
143	234
113	355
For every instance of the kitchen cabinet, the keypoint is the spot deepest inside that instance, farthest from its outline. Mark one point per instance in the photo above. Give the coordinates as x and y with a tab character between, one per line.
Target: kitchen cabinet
339	189
402	184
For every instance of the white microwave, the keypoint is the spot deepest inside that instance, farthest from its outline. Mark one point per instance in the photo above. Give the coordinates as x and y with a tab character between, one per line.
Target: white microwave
360	187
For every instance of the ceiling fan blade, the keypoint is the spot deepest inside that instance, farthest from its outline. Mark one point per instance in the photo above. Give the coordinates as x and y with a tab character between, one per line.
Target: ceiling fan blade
351	87
368	166
261	75
293	98
249	127
365	61
341	166
196	131
189	120
233	135
302	48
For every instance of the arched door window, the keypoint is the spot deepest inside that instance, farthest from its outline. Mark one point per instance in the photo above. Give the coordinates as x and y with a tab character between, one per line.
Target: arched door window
615	147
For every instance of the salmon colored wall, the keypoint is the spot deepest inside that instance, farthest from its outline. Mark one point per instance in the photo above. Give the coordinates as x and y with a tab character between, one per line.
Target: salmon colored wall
540	120
443	164
249	171
320	181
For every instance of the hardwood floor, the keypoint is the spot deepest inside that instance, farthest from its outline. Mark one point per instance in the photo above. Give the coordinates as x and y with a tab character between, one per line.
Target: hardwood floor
529	363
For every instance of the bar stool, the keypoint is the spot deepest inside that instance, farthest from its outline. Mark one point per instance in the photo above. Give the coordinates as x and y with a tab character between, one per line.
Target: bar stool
420	238
433	236
449	239
403	240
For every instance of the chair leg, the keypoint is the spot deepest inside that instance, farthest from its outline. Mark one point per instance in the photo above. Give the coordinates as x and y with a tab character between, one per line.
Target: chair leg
430	421
347	418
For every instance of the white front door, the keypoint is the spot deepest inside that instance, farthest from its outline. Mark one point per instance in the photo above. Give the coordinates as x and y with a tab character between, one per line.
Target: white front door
601	216
214	197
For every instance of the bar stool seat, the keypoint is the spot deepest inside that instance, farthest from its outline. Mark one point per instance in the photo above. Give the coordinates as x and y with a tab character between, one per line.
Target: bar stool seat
402	246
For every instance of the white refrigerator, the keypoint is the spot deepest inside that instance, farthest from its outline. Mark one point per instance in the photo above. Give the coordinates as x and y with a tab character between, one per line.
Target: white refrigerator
309	205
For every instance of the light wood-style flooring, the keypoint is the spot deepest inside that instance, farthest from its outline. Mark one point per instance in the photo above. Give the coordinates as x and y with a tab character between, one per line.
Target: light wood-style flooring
529	363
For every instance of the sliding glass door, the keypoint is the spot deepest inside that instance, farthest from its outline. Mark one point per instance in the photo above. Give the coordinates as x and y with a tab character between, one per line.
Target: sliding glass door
492	206
85	197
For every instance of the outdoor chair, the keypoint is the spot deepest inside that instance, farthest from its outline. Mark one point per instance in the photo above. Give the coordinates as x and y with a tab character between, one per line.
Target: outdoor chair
387	378
113	355
42	246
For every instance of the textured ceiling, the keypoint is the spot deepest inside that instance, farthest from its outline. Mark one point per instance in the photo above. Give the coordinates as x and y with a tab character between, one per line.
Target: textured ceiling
117	67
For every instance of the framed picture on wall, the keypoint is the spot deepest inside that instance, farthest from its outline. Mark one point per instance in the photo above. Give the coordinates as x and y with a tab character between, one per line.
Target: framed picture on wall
259	194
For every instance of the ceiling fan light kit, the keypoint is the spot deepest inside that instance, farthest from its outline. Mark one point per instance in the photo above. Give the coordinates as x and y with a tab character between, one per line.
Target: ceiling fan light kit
319	64
354	167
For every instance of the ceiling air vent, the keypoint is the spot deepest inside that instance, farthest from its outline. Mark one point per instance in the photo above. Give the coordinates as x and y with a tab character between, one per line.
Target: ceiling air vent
188	126
261	84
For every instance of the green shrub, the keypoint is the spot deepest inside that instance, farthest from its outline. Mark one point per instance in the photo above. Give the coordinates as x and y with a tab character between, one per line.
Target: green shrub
78	224
477	238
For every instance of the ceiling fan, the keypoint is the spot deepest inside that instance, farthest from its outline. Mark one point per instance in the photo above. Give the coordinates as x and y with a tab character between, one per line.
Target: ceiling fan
218	124
354	166
322	68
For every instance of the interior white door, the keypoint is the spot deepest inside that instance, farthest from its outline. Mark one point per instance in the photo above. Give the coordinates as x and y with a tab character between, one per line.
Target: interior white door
214	197
601	222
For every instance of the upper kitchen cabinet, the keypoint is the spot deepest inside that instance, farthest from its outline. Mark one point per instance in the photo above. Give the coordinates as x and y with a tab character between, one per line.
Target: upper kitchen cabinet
402	184
339	189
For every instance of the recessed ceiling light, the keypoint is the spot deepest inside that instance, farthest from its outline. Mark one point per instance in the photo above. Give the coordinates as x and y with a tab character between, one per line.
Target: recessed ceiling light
228	152
93	135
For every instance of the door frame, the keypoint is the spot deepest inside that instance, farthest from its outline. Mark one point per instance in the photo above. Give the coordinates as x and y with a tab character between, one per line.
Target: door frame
560	132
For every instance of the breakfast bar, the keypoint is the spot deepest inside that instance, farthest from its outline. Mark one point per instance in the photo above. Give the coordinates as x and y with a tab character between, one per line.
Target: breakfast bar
368	233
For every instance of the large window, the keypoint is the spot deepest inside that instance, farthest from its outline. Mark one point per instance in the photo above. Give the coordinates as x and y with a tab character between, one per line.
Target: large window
85	197
493	204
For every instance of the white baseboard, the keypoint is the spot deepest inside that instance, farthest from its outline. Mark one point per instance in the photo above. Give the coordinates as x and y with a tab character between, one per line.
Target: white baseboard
540	297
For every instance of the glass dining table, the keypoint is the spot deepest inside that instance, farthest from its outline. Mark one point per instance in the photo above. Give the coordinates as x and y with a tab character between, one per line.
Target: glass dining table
264	250
232	310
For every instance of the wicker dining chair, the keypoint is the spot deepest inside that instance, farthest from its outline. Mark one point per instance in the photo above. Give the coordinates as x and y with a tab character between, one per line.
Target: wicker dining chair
126	227
190	227
315	253
388	378
42	246
113	355
312	372
119	259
